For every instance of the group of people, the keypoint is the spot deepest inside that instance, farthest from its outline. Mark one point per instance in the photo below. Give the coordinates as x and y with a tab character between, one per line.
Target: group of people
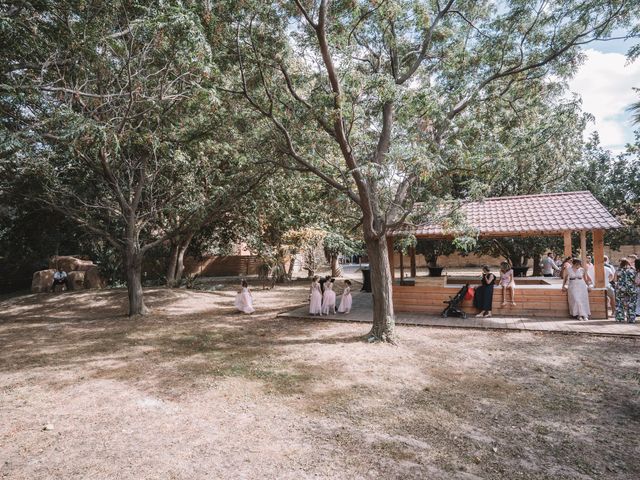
483	295
622	285
322	297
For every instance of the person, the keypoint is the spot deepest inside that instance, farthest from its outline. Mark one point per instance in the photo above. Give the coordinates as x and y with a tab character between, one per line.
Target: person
566	264
329	298
60	278
483	298
346	300
609	274
626	292
637	265
558	261
322	282
507	282
575	283
315	303
244	300
591	271
549	265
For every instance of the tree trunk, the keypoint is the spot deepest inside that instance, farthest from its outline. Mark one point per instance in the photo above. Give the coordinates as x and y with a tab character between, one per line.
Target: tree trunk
336	268
171	266
182	249
292	264
537	269
133	266
383	328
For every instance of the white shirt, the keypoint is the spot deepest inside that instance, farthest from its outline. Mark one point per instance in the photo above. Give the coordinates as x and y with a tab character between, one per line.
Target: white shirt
60	275
548	266
608	272
591	271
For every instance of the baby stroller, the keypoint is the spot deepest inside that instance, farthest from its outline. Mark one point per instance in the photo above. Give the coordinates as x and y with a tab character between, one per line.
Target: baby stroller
454	302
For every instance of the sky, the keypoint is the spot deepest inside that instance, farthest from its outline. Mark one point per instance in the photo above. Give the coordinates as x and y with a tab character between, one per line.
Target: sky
605	82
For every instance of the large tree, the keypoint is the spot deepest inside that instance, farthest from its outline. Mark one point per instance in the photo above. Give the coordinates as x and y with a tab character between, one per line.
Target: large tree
102	94
372	96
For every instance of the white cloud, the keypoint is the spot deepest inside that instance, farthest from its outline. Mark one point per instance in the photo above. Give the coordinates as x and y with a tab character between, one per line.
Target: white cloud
605	84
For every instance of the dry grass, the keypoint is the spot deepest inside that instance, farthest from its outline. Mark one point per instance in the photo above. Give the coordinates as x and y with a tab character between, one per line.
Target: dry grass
197	391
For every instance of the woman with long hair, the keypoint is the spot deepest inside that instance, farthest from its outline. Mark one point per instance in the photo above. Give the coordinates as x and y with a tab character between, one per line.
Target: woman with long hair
575	283
483	298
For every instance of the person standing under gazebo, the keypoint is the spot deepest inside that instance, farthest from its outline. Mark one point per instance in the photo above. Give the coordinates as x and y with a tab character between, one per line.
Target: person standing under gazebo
577	290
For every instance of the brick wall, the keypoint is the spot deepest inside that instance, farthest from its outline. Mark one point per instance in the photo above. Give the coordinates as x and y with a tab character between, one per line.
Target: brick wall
215	266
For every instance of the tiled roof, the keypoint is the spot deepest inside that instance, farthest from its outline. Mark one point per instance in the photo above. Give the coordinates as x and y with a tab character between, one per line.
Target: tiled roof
543	214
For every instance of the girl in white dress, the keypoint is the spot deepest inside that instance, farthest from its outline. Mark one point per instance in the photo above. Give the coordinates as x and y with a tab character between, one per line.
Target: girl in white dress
329	299
315	302
244	300
345	301
577	290
507	282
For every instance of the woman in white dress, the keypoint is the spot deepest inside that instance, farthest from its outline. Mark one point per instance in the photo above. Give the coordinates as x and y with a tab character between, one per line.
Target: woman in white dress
345	301
244	300
315	301
329	298
575	283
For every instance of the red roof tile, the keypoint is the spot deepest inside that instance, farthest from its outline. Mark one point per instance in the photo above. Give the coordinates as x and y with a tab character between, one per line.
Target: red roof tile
543	214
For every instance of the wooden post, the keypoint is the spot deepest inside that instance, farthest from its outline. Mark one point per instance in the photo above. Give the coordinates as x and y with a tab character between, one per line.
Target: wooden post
413	261
567	244
390	253
583	248
598	257
401	267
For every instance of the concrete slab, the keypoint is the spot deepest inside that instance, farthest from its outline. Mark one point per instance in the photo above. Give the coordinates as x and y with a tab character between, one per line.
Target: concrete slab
362	312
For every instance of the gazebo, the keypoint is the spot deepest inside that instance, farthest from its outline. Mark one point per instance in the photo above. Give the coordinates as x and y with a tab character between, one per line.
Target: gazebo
556	214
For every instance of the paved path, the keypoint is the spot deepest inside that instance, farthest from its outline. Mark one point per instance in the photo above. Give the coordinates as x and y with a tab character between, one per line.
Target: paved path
362	307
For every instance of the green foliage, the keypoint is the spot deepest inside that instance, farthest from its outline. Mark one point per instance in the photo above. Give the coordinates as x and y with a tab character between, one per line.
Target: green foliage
615	181
432	249
518	251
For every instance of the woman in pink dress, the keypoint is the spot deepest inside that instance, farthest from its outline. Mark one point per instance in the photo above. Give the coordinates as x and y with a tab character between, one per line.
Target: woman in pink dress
345	301
315	302
576	281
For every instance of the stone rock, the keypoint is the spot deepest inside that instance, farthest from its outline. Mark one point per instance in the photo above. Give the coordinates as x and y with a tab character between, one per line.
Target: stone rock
70	264
48	426
42	281
93	279
75	280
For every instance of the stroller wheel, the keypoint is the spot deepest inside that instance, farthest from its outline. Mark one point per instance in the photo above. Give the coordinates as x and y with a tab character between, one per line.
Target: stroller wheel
464	315
445	314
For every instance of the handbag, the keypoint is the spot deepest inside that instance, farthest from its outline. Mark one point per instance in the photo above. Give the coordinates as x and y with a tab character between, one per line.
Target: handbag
470	293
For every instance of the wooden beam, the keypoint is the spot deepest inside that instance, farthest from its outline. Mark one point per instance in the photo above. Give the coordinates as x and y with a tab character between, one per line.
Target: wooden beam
567	244
412	252
598	257
390	253
583	247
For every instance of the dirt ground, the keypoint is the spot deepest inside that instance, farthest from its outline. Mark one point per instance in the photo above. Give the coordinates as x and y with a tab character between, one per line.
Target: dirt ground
196	391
